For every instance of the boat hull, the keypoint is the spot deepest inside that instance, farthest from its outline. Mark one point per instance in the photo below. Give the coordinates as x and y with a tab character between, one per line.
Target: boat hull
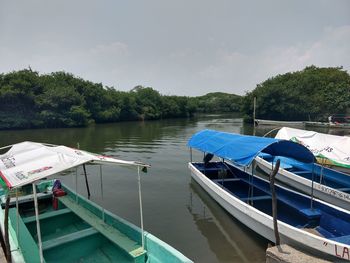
87	231
279	123
323	192
262	223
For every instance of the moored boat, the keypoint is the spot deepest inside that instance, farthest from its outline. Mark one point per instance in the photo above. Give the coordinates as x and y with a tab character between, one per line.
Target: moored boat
331	125
331	150
45	221
279	123
304	222
326	184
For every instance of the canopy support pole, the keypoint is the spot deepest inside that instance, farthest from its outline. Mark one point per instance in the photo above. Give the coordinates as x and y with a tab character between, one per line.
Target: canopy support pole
101	182
76	184
140	199
254	107
86	182
274	202
38	224
312	188
6	229
191	154
17	218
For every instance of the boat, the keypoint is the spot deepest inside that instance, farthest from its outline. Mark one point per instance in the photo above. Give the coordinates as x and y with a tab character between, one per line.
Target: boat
326	184
303	221
330	125
331	150
275	123
42	220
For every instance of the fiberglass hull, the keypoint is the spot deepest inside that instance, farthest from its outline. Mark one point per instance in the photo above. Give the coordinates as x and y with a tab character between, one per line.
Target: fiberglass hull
262	223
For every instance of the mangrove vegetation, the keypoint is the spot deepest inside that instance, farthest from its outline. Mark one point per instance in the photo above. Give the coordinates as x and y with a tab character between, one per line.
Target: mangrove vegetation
59	99
311	94
31	100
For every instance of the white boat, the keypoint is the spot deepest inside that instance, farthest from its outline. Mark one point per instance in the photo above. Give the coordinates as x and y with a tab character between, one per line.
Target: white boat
331	150
326	184
303	222
279	123
330	125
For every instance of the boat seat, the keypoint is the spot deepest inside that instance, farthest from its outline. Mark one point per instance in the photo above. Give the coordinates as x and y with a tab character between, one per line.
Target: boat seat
47	215
69	238
302	172
226	180
256	198
130	246
311	213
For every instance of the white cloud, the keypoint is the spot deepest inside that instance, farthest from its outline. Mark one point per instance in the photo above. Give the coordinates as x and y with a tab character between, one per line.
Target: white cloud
242	71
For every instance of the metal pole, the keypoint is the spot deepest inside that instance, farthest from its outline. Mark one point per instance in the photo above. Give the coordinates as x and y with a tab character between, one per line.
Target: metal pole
17	218
140	199
191	154
312	188
254	114
38	224
103	210
101	181
6	229
76	184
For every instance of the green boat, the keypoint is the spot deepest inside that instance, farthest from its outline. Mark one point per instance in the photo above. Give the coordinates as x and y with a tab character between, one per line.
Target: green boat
45	221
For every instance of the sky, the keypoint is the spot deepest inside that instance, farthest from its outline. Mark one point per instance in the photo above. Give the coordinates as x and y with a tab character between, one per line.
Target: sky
178	47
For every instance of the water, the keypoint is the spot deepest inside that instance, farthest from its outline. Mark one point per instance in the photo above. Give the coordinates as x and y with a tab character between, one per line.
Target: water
176	209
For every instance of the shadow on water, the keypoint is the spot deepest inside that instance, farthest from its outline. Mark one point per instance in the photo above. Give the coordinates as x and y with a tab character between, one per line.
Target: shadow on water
230	240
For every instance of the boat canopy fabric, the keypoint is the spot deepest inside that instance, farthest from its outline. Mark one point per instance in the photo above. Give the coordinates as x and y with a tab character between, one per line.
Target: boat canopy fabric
334	148
27	162
242	149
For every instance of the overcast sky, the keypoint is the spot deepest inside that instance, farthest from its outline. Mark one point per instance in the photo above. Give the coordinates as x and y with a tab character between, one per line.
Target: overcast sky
178	47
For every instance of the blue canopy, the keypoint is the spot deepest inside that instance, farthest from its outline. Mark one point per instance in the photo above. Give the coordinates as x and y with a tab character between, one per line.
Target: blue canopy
242	149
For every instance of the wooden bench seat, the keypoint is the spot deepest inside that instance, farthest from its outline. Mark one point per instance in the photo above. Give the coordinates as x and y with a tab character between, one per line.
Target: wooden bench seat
69	238
118	238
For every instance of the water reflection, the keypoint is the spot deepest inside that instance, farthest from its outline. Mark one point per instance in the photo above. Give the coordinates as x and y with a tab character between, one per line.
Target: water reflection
228	239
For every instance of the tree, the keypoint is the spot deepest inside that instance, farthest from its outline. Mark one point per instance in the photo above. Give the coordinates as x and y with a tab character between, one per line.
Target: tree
313	93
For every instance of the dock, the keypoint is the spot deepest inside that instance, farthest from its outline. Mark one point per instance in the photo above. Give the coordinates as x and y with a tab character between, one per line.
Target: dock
287	254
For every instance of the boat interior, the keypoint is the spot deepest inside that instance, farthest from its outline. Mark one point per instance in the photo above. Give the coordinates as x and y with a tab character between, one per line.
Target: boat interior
77	231
292	208
322	175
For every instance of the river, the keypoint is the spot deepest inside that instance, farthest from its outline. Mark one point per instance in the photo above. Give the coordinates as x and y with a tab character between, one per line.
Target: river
175	208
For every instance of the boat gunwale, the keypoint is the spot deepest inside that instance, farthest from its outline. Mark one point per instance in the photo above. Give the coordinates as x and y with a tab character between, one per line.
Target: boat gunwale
283	227
340	195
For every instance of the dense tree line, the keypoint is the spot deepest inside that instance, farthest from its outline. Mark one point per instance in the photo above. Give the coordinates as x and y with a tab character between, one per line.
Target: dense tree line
59	99
311	94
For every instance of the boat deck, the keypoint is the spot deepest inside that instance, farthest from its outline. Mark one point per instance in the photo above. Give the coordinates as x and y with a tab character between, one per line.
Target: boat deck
73	233
293	210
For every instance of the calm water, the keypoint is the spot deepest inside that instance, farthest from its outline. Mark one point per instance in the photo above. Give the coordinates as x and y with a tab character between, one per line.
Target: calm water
176	209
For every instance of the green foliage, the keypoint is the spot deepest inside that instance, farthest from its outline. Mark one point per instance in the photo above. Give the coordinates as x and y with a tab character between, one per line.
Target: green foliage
218	102
311	94
59	99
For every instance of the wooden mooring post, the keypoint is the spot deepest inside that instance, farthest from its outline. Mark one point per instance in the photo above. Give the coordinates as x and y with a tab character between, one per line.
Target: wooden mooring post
274	201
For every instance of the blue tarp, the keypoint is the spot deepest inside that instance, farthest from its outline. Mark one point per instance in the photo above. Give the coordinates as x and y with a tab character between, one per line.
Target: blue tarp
242	149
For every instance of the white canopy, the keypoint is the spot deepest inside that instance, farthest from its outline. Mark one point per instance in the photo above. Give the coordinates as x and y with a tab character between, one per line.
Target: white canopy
335	148
27	162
